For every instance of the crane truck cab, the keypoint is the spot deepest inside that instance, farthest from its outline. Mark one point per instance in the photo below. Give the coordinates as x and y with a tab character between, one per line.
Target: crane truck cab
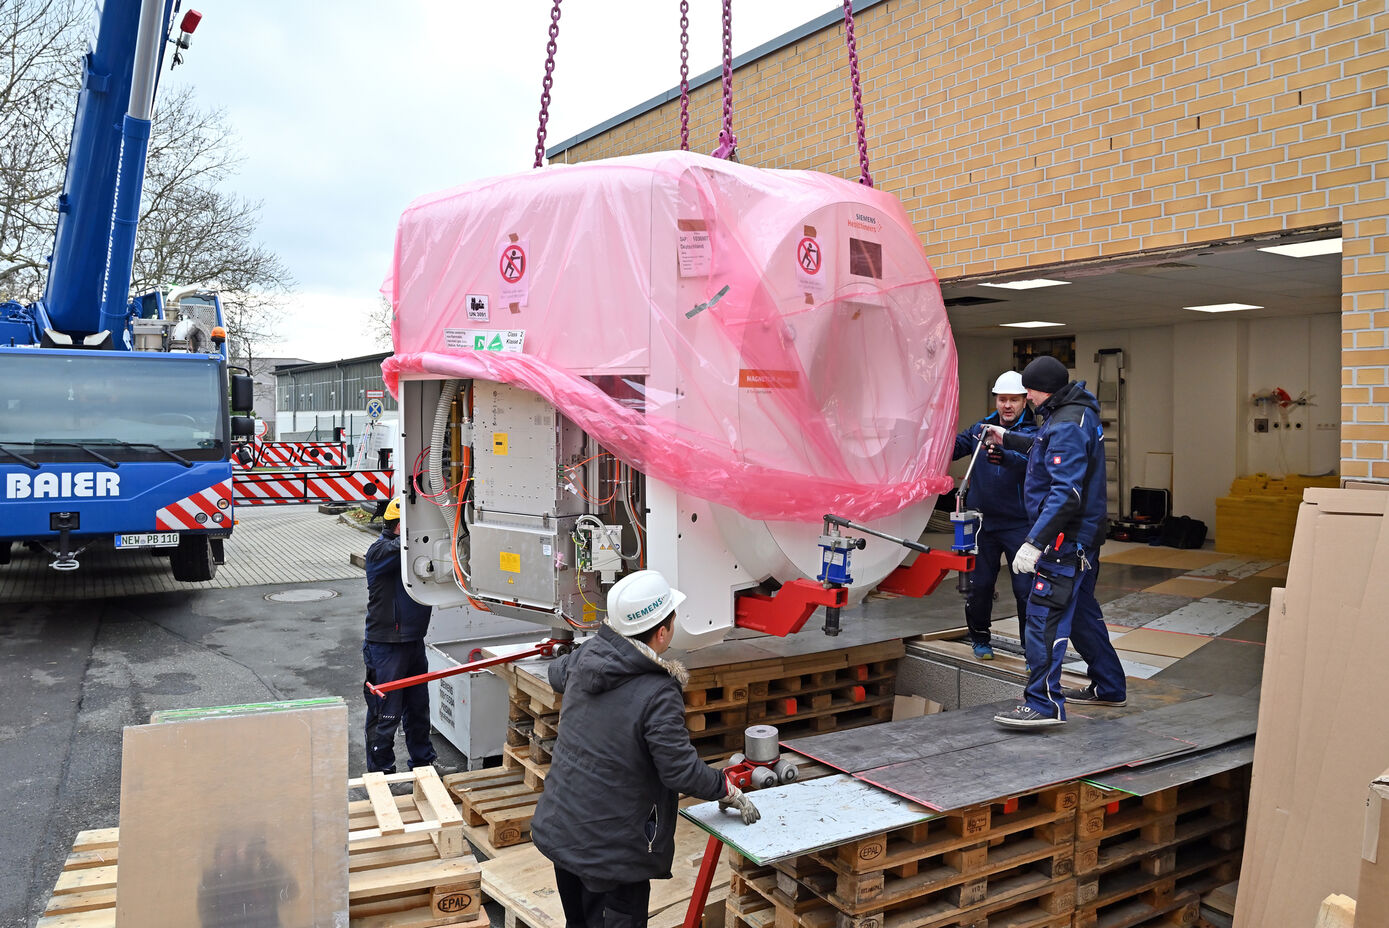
116	422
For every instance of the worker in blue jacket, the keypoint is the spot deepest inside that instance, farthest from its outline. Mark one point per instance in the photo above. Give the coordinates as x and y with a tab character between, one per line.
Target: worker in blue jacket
995	492
392	650
1066	495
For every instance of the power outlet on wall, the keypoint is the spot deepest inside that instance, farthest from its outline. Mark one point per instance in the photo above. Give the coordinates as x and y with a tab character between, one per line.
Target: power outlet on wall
1261	425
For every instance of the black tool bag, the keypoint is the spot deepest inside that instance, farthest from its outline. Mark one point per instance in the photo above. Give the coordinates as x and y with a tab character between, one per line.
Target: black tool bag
1183	532
1148	504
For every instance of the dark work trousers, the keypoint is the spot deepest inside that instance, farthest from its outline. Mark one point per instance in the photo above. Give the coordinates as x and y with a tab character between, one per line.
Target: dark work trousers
994	543
621	907
407	708
1091	640
1062	607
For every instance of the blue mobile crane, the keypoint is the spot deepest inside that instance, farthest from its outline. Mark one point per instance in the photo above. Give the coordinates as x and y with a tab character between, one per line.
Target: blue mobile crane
116	413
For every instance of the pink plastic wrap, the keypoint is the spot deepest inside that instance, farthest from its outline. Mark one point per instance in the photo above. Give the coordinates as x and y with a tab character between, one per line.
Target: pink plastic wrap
771	341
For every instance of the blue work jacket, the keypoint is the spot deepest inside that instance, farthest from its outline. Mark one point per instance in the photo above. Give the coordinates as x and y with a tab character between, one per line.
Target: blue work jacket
392	616
996	490
1065	485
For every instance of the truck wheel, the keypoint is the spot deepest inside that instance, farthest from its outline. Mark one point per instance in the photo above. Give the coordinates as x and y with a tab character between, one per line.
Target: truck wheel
192	559
5	552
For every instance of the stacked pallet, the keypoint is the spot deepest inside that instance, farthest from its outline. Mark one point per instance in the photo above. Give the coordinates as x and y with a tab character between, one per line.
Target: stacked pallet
1068	855
801	694
408	864
1259	515
1139	859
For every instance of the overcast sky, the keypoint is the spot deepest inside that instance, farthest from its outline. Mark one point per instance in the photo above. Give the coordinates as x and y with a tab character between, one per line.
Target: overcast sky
347	110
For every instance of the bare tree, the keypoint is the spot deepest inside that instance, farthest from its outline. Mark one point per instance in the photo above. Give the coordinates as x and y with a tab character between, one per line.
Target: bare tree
40	70
191	231
379	323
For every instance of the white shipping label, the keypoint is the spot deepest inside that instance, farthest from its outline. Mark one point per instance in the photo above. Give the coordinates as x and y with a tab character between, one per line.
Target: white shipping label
696	252
486	339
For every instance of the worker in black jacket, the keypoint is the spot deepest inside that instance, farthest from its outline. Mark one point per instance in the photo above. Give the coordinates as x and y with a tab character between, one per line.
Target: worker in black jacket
607	816
393	649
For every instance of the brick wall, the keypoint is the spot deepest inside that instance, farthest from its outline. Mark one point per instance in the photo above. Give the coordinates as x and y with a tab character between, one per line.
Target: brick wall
1020	134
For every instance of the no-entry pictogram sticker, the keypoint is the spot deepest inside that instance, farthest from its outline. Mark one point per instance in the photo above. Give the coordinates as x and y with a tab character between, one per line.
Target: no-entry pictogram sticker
808	256
513	263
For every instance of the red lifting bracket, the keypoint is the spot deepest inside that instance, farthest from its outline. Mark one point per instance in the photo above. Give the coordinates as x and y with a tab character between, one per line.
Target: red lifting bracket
546	648
786	611
923	575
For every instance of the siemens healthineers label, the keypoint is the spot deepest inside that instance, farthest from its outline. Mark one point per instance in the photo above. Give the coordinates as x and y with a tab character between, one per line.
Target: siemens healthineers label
62	485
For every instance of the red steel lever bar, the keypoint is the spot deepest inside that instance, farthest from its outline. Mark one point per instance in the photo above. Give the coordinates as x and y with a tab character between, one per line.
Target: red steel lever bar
544	648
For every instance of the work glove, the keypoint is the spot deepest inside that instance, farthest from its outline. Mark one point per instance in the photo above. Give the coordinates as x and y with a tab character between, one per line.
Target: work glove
992	434
994	453
1026	561
736	800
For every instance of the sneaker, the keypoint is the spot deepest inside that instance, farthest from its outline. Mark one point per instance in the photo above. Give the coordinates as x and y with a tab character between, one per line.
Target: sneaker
983	652
1090	697
1026	717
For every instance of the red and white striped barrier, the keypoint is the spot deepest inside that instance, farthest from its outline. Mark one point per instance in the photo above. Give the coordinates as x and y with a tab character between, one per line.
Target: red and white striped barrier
341	486
321	454
209	509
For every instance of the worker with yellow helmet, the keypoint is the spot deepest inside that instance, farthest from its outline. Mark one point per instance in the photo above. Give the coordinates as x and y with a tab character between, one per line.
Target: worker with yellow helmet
393	648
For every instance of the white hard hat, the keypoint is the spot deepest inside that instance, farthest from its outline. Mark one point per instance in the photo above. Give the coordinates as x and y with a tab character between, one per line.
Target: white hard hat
641	601
1010	383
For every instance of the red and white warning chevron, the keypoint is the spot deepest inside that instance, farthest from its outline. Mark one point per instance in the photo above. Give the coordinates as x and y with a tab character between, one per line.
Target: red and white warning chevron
212	508
296	454
343	486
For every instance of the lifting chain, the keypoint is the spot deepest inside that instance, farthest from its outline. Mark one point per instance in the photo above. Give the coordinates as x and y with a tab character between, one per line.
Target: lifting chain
546	84
865	177
684	75
728	142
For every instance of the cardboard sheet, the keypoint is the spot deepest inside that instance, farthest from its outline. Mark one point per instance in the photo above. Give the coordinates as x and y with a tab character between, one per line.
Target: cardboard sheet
212	834
1155	641
1192	587
1319	741
1208	617
1149	556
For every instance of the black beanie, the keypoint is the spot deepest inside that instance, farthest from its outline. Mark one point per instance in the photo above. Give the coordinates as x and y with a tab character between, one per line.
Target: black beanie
1045	375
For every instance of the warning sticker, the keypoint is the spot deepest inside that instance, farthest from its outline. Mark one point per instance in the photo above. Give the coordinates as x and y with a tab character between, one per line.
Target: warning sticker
767	380
509	561
513	269
485	339
478	310
810	259
695	248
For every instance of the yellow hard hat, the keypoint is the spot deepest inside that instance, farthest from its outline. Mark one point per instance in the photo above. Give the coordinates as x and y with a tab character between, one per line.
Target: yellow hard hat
392	510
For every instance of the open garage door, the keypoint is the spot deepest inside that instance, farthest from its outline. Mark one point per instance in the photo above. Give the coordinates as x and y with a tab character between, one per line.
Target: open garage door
1231	354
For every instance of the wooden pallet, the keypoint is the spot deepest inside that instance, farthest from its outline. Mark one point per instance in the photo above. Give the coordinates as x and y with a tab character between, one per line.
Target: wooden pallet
398	876
1132	895
1013	857
501	800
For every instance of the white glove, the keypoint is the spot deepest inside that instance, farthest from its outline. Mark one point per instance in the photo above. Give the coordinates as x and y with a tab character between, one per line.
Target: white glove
992	434
736	799
1026	561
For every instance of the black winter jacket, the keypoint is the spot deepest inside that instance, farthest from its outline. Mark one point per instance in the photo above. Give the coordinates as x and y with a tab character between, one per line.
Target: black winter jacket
392	616
622	758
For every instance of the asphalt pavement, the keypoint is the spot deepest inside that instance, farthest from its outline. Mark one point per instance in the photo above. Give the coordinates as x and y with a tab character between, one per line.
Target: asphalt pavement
75	671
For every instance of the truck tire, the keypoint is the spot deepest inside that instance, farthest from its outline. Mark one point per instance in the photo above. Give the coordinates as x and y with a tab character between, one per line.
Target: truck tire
192	559
5	552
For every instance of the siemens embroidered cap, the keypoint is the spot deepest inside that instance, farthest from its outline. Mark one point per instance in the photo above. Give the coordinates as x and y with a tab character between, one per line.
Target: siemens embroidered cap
1045	375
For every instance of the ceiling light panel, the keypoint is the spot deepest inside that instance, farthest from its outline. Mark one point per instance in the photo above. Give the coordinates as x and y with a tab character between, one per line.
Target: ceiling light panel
1035	324
1222	307
1325	246
1028	284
